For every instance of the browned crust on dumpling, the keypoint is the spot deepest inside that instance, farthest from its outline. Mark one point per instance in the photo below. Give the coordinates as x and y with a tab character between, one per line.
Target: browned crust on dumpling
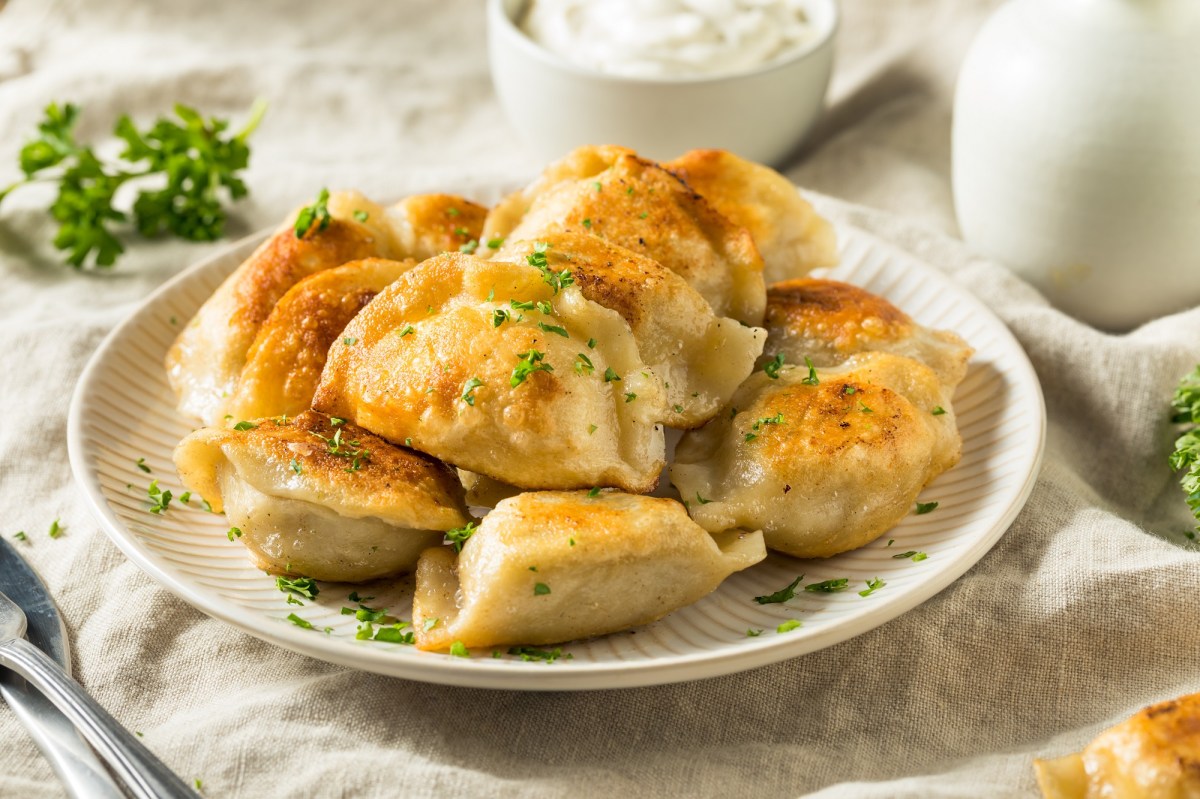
285	260
846	317
792	237
634	203
283	367
441	223
370	474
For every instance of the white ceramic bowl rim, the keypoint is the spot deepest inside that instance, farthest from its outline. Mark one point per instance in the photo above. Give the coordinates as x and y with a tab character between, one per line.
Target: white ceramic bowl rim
506	26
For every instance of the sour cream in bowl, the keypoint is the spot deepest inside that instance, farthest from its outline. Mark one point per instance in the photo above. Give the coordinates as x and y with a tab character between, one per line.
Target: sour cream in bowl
663	76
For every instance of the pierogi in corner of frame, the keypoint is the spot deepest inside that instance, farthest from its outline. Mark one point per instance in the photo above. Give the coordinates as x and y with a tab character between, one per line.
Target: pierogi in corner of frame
821	461
317	497
636	204
503	370
702	358
553	566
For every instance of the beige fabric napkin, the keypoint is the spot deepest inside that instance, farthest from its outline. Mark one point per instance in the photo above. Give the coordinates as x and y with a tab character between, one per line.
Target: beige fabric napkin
1081	614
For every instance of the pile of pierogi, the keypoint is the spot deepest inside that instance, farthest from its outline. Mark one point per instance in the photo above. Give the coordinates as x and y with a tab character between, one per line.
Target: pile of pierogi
369	374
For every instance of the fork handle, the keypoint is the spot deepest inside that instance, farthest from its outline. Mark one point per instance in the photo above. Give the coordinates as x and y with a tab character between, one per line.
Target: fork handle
144	774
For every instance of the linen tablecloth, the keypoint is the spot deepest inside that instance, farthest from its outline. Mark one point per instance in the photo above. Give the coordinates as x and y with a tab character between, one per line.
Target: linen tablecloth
1083	613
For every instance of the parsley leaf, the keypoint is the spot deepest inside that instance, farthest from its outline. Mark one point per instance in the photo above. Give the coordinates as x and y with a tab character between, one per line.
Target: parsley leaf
938	410
159	500
245	426
56	529
530	653
828	586
141	464
459	536
541	589
912	554
304	586
528	363
872	587
315	214
459	650
782	595
787	626
299	622
469	390
811	380
926	507
773	366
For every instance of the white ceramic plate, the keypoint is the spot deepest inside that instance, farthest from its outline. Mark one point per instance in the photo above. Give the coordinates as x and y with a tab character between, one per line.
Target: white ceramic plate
123	410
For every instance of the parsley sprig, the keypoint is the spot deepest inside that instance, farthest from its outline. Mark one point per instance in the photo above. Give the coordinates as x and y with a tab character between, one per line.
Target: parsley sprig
193	162
1185	407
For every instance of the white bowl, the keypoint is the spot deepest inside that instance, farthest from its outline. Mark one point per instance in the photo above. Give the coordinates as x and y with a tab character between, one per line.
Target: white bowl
556	106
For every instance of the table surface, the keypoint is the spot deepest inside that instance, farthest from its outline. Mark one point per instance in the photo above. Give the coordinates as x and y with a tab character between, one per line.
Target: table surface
1076	619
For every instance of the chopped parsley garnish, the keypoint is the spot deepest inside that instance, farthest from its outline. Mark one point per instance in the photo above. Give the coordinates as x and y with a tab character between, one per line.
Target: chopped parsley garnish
20	535
521	306
315	214
544	307
336	421
555	329
540	589
584	365
361	216
350	450
782	595
530	653
701	499
159	500
872	587
234	532
848	389
643	214
811	380
587	223
773	366
296	467
591	343
753	633
495	244
828	586
598	186
787	626
452	212
630	396
459	650
527	364
938	410
185	497
459	536
462	231
204	503
926	507
56	529
141	464
912	554
595	491
862	406
350	341
469	390
470	247
763	422
299	622
610	376
500	316
430	624
395	634
245	426
592	428
1185	407
304	586
407	330
678	408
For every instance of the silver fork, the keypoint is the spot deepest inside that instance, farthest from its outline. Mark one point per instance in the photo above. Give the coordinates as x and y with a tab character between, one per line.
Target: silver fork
143	773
